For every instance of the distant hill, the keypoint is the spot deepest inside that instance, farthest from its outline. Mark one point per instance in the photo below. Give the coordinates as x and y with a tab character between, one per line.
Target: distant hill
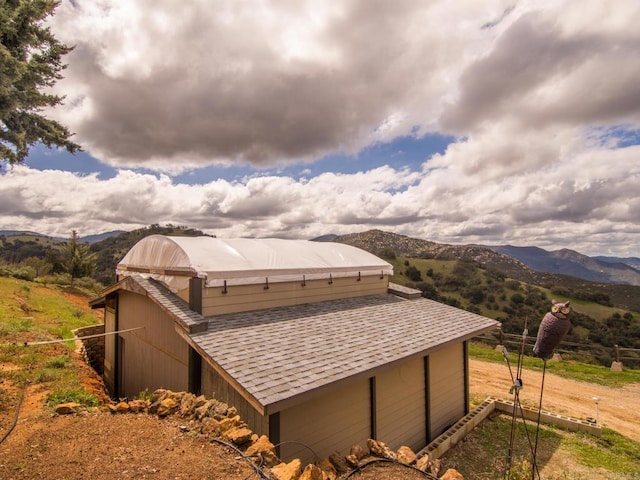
633	262
101	236
570	262
384	243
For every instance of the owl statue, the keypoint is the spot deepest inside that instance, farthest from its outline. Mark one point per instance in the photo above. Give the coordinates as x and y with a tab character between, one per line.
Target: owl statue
553	328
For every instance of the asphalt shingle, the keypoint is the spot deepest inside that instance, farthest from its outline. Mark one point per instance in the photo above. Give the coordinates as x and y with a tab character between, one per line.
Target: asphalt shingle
282	352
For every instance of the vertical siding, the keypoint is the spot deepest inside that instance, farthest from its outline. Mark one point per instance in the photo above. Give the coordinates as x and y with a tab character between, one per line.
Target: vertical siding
110	350
447	388
326	424
244	298
154	357
214	386
400	406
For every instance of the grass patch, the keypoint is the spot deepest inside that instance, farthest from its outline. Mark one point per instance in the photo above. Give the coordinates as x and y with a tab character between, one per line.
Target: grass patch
612	452
568	369
484	453
77	395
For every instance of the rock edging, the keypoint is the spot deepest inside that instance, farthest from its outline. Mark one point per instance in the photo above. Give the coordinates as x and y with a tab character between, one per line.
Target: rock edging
216	420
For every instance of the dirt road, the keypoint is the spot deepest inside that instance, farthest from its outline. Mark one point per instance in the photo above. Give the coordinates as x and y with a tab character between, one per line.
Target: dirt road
619	408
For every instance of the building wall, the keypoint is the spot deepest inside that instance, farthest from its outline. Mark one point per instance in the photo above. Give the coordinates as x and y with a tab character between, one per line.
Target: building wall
447	402
110	359
153	357
400	406
214	386
328	423
242	298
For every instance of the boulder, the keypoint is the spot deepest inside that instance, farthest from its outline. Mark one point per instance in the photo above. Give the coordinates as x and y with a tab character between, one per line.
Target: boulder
137	406
122	407
167	407
264	449
328	468
358	452
452	474
406	455
311	472
68	408
423	463
381	450
339	463
287	471
238	435
210	427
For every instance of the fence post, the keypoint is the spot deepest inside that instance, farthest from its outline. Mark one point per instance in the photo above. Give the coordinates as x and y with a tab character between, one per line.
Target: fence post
616	366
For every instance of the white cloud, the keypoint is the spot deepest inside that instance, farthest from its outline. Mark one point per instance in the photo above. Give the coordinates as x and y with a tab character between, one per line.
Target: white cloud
542	95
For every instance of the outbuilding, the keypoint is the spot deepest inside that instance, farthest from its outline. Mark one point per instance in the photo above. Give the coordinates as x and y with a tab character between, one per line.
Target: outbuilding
308	340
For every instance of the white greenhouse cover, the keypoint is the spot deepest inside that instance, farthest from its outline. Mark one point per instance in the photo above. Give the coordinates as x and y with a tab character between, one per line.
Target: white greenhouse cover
241	261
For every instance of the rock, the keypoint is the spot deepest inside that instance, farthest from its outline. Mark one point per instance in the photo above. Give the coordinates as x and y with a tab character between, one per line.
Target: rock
238	435
381	450
264	449
328	468
406	455
167	407
311	472
352	460
452	474
222	409
159	395
186	404
339	463
227	423
201	411
358	451
423	463
210	427
435	466
68	408
122	407
288	471
232	411
137	406
156	398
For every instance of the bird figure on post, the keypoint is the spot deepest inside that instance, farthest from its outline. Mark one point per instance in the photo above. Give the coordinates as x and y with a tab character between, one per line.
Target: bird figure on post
553	328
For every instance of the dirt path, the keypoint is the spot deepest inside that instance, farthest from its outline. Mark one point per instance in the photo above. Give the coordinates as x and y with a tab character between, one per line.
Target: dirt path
618	408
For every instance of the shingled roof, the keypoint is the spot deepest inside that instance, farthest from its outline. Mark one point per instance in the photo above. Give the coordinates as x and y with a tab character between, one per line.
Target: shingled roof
280	355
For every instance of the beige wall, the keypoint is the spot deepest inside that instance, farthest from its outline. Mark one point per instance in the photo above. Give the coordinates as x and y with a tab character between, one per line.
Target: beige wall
109	349
152	358
400	406
214	386
244	298
446	388
328	423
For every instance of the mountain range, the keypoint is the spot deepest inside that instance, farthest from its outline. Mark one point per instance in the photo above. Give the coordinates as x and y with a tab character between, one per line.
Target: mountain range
513	261
532	262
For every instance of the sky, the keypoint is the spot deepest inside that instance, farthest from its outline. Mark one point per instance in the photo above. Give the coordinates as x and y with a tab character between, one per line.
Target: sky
476	121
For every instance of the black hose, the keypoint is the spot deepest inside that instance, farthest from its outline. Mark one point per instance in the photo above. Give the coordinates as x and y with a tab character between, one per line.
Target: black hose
387	460
15	418
261	473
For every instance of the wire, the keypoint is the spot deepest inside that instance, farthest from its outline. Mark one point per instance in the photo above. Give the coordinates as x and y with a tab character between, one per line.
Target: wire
534	467
63	340
15	418
387	460
257	468
317	460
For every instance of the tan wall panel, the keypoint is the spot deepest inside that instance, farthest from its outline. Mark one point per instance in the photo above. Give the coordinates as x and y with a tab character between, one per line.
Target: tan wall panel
400	406
446	389
329	423
214	386
154	357
244	298
109	349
